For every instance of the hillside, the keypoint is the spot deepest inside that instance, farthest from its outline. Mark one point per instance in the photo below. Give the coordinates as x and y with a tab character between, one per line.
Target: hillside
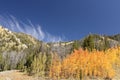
12	41
25	53
9	41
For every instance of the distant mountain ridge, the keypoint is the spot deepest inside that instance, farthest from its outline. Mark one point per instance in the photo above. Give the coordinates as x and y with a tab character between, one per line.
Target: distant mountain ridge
19	41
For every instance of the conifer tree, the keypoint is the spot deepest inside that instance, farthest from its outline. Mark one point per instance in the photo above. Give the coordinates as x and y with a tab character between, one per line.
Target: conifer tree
89	43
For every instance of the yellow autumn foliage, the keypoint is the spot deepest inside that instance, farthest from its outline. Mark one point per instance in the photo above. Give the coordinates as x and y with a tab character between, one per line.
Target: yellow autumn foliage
83	63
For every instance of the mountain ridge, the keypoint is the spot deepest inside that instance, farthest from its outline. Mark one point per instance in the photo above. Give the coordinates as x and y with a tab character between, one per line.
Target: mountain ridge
18	41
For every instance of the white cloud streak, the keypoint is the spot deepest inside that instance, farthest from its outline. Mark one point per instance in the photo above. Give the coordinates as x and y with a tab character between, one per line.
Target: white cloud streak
16	25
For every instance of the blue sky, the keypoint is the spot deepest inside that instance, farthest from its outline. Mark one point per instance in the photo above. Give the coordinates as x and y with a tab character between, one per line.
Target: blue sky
72	18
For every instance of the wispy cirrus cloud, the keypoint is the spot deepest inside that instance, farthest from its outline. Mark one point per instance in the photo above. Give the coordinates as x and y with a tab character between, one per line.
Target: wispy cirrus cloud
36	31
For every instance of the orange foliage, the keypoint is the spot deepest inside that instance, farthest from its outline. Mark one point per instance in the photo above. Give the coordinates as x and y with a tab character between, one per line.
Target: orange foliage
55	68
84	63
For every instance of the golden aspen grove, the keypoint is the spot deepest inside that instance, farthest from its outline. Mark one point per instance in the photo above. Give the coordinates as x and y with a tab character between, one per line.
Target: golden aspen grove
83	63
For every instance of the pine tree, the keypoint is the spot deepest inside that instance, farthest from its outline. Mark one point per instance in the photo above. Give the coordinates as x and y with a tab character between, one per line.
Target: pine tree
88	43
